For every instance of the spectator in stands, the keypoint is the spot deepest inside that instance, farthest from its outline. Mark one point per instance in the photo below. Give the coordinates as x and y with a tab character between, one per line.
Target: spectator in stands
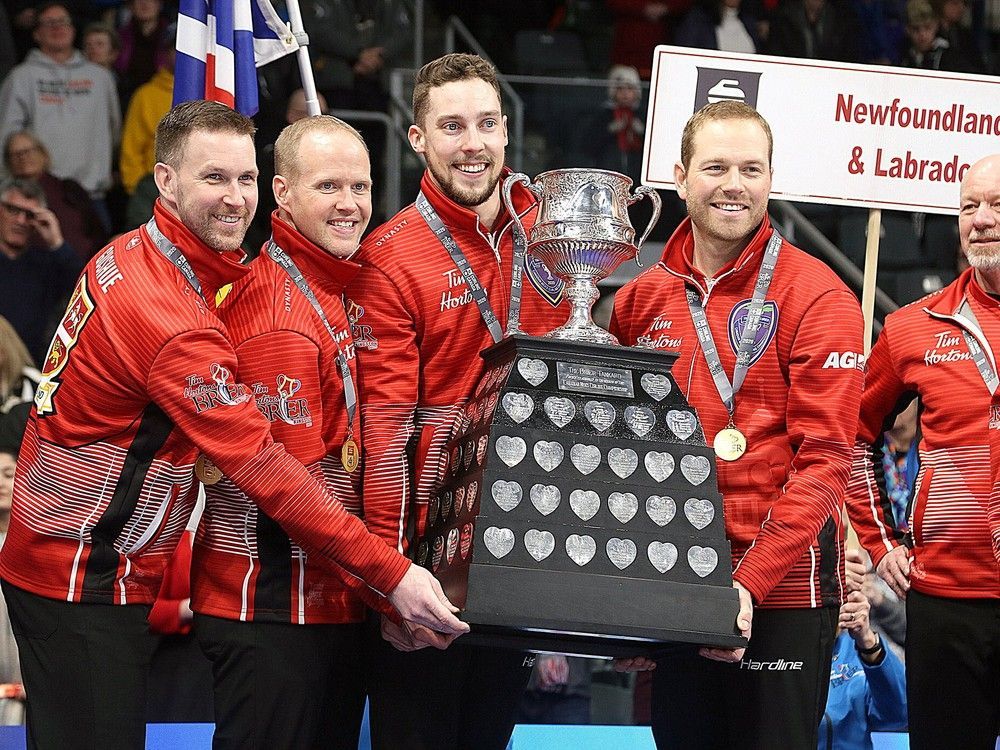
149	103
37	266
68	102
954	30
867	680
101	45
613	137
142	45
11	689
8	52
927	49
900	462
814	29
640	25
718	24
881	23
27	158
18	375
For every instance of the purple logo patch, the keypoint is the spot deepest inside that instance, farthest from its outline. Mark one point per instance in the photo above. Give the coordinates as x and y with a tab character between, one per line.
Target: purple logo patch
768	327
547	285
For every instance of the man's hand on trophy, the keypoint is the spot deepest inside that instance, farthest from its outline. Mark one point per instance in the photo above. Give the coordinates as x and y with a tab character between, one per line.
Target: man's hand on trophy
419	598
634	664
409	636
744	621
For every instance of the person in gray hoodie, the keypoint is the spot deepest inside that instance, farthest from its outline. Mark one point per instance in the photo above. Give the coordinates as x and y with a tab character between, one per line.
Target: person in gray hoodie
70	104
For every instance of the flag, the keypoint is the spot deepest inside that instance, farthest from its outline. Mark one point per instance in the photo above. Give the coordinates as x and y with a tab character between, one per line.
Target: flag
220	44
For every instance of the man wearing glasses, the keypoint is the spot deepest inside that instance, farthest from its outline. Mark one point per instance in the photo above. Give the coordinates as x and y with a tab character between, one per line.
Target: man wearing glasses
37	266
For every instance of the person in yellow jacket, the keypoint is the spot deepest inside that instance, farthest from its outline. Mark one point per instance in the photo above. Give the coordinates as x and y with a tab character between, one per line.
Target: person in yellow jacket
149	103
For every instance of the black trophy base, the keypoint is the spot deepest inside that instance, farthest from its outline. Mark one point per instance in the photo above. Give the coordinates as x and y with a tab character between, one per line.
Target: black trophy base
527	609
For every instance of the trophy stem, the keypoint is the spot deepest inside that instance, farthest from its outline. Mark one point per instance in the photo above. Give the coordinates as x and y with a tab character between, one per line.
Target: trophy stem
581	291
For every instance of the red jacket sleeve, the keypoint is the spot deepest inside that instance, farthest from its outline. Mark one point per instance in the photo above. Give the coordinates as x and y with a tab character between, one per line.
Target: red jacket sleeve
821	417
868	507
993	510
222	421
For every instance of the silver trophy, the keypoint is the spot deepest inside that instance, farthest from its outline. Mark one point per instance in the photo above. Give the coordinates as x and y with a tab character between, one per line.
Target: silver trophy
582	234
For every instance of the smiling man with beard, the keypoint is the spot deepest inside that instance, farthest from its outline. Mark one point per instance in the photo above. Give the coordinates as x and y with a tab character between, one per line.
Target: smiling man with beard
418	333
782	422
942	349
139	380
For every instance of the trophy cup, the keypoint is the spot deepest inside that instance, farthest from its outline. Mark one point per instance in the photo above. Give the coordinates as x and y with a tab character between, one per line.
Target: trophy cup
580	511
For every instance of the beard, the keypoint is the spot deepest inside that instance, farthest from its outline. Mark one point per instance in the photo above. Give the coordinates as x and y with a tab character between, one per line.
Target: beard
984	258
468	197
202	224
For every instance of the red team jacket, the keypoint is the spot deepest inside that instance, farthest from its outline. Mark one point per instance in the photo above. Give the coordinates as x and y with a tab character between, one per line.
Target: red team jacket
245	566
138	380
921	352
798	406
418	335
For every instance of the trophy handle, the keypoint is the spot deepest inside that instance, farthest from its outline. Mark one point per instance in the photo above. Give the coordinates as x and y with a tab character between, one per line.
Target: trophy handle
641	192
514	325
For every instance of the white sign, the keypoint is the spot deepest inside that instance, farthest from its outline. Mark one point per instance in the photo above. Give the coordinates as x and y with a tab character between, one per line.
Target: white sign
851	135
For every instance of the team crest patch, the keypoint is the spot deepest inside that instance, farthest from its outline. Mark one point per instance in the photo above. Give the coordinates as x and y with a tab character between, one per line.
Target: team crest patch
80	307
768	327
547	285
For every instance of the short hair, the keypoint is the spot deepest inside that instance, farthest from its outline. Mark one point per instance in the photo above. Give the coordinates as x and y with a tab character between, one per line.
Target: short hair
457	66
30	189
725	110
286	148
179	123
48	5
35	142
102	28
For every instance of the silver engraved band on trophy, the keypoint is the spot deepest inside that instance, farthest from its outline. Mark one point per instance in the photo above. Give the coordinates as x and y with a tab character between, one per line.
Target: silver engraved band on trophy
582	234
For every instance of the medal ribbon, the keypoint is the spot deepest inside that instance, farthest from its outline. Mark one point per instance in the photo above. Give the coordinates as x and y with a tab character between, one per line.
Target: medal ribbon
727	390
471	280
966	314
172	253
280	257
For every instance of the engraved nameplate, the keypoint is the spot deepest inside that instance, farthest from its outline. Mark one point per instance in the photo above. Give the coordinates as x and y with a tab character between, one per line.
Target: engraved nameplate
609	381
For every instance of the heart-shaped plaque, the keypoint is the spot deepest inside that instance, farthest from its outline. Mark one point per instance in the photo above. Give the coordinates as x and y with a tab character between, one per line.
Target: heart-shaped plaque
581	548
659	464
559	410
465	542
470	497
695	469
699	512
661	509
459	499
621	552
433	509
533	370
681	423
506	494
481	448
702	560
447	498
548	454
455	461
468	453
656	385
623	505
601	414
585	503
623	461
422	551
639	419
452	546
585	458
510	449
545	497
498	541
518	405
539	543
437	553
662	555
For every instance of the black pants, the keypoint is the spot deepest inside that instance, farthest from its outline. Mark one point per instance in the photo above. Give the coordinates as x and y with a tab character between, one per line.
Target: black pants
279	685
774	698
463	698
85	668
952	672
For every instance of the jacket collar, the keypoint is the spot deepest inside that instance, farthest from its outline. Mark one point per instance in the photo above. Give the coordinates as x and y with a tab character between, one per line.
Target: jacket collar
678	253
455	216
316	263
949	299
214	269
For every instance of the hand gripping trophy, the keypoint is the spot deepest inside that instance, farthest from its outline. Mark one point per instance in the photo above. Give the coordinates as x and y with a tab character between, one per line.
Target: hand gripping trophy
580	510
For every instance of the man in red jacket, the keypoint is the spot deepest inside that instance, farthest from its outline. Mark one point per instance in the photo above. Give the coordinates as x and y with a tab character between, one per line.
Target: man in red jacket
941	350
770	356
285	634
137	383
418	330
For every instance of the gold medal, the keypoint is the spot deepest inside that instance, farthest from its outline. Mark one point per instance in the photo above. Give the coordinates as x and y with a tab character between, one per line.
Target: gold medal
350	454
730	444
206	471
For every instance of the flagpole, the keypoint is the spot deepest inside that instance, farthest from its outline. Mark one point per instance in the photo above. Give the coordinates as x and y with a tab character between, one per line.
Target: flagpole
305	65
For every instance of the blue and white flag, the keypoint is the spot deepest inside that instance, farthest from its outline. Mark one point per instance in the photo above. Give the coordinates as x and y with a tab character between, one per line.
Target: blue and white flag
220	44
